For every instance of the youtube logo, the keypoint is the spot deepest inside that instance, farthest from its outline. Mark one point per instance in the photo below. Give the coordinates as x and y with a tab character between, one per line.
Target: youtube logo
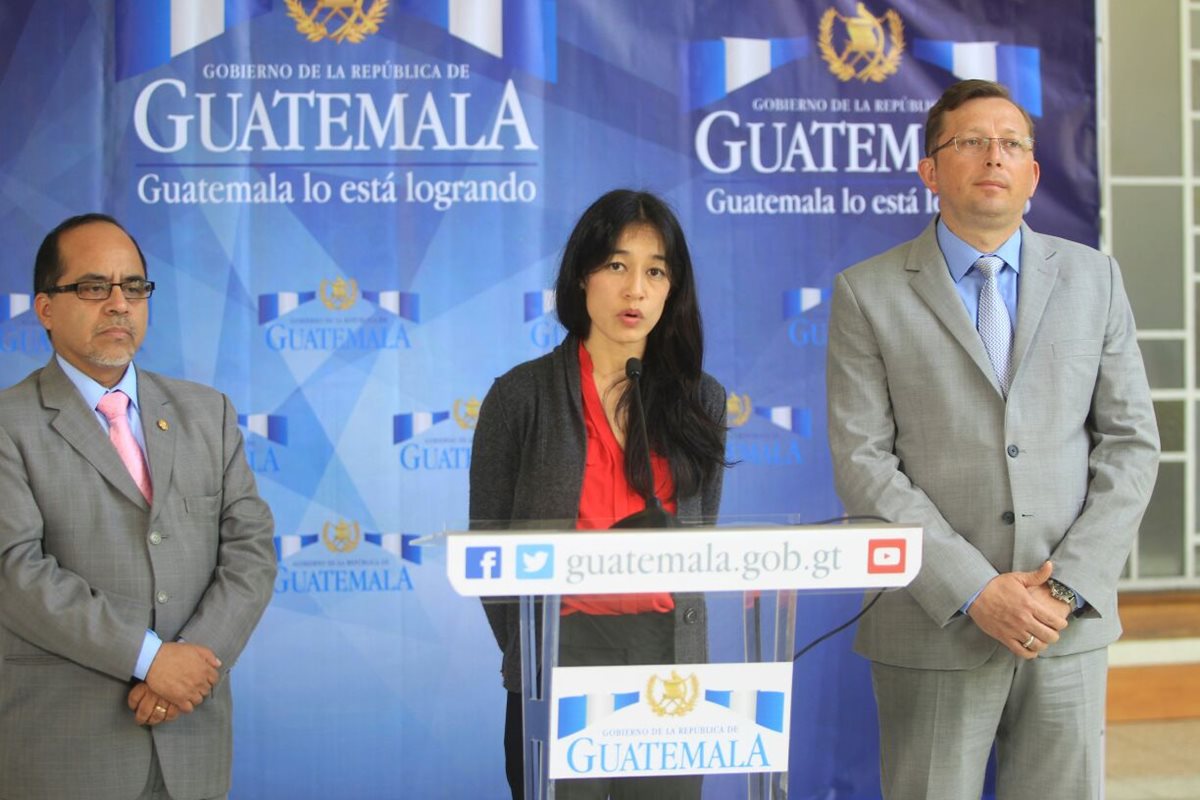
885	555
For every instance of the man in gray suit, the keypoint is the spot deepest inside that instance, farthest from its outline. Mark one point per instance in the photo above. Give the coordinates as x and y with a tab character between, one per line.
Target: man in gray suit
135	554
984	382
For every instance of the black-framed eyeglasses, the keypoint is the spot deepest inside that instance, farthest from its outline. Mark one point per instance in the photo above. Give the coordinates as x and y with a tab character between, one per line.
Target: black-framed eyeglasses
132	289
978	145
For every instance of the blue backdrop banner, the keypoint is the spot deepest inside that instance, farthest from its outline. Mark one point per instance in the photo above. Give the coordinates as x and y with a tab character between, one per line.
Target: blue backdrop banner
353	211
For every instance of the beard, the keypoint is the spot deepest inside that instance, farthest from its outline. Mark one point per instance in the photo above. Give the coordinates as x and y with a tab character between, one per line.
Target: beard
109	359
114	355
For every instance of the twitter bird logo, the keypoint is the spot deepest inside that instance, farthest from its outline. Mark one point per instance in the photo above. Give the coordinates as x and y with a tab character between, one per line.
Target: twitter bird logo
535	561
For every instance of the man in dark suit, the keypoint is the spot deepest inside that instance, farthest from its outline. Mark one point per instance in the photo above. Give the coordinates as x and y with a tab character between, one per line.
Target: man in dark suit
985	382
135	553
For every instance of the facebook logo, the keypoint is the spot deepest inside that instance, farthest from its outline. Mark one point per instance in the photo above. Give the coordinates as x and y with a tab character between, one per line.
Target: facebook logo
483	562
535	561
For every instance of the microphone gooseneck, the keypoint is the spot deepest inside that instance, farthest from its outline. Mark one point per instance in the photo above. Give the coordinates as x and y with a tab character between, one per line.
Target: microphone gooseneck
653	515
633	371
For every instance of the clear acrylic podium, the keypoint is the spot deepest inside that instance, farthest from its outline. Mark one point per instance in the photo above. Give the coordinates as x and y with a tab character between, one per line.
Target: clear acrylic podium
665	655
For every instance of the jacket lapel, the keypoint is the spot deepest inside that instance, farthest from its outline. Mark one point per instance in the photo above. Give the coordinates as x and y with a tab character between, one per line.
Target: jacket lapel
78	425
932	283
1039	272
156	408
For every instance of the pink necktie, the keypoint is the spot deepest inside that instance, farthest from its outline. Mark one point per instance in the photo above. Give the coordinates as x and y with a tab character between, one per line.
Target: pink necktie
114	406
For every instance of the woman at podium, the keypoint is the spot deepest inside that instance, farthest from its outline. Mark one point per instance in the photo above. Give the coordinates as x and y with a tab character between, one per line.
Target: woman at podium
563	438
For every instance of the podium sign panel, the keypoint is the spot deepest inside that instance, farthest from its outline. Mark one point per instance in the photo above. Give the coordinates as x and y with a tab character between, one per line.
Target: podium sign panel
669	719
488	564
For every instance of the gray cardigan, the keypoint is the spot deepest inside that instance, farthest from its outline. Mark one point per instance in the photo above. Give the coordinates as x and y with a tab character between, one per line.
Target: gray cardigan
527	464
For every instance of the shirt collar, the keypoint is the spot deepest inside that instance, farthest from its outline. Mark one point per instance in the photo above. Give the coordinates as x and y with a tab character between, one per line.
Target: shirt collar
960	256
93	391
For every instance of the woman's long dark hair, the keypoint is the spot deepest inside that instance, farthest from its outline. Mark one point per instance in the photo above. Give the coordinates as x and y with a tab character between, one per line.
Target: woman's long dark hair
680	429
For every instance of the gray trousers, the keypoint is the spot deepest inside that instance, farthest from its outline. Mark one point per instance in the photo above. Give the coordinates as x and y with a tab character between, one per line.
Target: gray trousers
1046	717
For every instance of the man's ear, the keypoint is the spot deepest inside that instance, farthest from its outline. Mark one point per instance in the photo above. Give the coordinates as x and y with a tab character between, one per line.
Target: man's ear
927	169
41	307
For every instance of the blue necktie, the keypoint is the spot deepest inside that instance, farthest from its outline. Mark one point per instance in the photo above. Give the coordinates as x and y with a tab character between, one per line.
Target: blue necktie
995	327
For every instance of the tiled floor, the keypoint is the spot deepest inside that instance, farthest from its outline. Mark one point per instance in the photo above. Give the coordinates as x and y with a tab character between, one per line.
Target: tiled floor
1153	760
1157	759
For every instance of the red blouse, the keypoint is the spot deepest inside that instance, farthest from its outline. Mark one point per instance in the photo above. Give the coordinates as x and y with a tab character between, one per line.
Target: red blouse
607	497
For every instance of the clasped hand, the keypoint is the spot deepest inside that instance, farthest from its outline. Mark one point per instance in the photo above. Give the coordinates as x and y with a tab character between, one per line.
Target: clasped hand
1017	610
180	677
149	708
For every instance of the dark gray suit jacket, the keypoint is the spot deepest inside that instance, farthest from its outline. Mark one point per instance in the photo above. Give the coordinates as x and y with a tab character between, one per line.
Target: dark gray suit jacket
921	434
86	567
527	463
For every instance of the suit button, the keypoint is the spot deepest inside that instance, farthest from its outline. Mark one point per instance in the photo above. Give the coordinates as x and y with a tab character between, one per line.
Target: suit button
162	597
690	616
1008	517
1013	450
155	537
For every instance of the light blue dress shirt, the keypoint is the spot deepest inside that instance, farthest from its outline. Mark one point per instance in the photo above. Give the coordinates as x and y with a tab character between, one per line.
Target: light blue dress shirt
961	257
92	392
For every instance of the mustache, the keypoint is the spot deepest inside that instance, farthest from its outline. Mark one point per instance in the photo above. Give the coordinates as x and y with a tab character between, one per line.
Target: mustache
115	323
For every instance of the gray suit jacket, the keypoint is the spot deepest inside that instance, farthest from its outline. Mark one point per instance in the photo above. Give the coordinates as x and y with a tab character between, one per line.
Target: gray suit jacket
86	567
921	434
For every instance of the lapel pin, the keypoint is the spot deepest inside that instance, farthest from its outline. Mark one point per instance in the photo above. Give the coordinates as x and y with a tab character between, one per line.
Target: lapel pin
162	425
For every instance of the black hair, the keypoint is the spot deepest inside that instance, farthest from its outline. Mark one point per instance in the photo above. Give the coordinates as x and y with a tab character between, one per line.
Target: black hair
680	429
48	267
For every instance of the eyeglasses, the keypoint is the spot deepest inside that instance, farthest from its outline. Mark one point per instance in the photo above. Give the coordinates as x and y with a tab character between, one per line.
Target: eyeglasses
978	145
132	289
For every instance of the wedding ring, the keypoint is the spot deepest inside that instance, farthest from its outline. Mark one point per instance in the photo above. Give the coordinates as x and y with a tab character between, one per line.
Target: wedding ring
1028	643
161	710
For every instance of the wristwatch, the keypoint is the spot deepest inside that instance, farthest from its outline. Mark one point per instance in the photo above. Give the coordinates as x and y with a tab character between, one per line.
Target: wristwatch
1061	592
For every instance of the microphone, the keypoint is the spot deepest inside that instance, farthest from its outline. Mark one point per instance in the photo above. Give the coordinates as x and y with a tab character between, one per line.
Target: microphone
653	515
